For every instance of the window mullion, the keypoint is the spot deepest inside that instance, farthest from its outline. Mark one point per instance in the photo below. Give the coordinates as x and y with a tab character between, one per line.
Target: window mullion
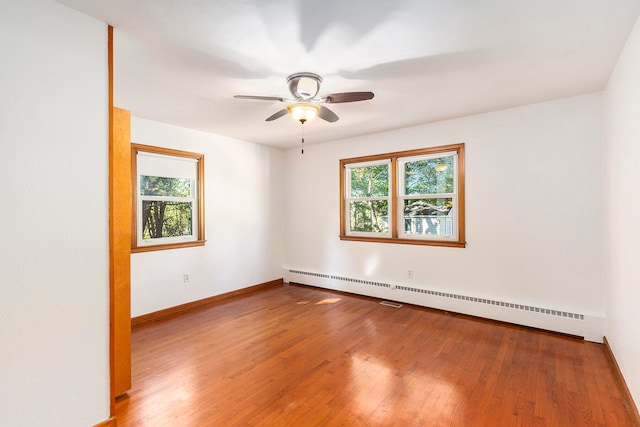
393	180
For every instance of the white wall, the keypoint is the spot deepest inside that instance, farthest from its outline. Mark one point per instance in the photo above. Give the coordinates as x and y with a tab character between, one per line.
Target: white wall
54	294
533	214
622	124
243	228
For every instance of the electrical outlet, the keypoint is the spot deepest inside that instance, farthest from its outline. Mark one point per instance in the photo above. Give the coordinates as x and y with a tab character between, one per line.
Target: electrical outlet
410	273
186	277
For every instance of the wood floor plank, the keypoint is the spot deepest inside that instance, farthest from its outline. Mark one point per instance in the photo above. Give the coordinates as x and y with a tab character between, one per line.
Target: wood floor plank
300	356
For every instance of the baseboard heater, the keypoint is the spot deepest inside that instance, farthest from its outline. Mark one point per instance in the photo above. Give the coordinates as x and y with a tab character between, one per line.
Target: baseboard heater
527	315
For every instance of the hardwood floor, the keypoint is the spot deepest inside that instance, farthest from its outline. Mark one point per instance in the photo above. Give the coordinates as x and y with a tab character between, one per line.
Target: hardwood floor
300	356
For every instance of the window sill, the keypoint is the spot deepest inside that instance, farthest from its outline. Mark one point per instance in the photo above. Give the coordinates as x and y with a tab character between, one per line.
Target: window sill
445	243
167	246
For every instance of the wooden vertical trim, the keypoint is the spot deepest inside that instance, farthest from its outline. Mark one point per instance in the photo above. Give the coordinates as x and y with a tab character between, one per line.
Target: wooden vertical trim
630	405
461	187
112	397
119	245
134	194
343	229
201	197
121	215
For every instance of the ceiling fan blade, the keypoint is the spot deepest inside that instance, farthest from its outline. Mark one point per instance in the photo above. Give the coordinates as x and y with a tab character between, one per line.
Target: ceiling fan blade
336	98
260	98
328	115
277	115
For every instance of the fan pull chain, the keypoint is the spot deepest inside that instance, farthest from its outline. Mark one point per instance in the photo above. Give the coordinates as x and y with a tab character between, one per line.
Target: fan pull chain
302	136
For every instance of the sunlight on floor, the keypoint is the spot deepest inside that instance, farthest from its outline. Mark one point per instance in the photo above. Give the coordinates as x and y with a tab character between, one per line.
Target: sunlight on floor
321	302
375	381
175	399
328	301
370	377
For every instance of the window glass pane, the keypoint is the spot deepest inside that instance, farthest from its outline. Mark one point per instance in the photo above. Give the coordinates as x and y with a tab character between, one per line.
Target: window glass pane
370	216
370	181
166	219
160	186
430	176
428	216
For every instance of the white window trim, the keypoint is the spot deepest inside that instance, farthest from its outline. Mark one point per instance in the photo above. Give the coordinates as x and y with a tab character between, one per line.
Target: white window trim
193	199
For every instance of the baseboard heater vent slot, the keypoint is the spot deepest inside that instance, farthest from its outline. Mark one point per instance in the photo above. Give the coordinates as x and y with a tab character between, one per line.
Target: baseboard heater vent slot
494	302
391	304
306	273
361	282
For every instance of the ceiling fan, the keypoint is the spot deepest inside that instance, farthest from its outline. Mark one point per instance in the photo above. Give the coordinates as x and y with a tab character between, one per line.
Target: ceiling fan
305	106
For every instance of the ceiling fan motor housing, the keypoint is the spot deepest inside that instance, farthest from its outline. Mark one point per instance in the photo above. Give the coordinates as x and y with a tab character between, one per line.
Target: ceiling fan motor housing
305	85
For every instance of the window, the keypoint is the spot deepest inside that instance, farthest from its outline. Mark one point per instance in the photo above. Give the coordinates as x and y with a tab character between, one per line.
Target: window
369	198
168	205
414	197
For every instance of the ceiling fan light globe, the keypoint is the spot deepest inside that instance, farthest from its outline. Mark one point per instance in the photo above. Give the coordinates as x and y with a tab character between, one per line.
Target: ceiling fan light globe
303	112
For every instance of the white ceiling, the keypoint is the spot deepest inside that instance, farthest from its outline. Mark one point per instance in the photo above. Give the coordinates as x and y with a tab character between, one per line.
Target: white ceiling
181	62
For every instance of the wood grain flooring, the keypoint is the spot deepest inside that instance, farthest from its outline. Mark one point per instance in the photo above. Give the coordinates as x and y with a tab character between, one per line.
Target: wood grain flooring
300	356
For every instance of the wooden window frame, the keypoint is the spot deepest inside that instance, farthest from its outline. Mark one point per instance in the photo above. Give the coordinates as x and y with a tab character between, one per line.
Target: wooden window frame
200	240
395	206
349	198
